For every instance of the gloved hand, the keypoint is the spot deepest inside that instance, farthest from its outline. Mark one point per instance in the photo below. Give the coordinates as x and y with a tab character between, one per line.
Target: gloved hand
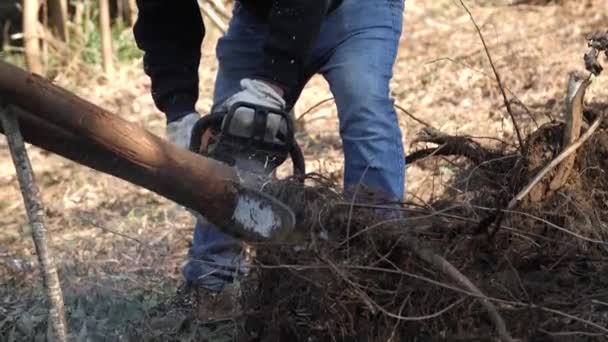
258	93
179	131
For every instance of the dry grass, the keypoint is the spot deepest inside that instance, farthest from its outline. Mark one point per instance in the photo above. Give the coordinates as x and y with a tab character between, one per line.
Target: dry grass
442	76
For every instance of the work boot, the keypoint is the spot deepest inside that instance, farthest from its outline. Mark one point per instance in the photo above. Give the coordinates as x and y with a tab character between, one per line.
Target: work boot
217	295
214	306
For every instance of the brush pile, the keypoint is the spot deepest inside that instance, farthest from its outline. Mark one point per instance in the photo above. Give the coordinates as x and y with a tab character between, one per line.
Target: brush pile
517	250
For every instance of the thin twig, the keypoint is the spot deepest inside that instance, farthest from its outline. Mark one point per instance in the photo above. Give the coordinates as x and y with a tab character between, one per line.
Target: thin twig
413	117
373	305
569	333
485	74
578	319
97	225
366	299
596	301
514	270
436	283
424	317
35	212
498	80
549	223
478	295
350	211
313	107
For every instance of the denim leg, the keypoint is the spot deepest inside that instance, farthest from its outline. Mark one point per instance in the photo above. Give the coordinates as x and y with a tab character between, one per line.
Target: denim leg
363	37
214	258
239	52
214	255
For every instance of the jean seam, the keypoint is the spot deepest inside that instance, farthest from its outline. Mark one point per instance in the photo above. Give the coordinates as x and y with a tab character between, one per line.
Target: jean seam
396	9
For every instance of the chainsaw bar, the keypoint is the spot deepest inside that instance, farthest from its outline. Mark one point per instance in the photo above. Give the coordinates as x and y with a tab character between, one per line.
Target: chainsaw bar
257	215
260	216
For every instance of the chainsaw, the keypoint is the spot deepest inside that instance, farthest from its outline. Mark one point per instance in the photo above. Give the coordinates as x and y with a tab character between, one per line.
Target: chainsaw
256	154
250	150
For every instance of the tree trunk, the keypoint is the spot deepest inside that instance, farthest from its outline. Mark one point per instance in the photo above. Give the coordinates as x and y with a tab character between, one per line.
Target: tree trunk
106	36
58	18
35	212
33	57
209	12
131	11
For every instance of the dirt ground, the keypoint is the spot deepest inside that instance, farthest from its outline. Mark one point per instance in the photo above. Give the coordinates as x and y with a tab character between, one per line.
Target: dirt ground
120	248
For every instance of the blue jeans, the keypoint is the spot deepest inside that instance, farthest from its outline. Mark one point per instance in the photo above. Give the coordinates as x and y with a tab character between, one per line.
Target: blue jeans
355	53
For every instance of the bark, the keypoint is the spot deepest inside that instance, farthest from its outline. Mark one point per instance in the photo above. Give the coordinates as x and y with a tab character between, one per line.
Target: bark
35	213
106	36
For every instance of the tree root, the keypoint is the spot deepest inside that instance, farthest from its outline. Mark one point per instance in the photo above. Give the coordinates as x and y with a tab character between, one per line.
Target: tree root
449	146
448	269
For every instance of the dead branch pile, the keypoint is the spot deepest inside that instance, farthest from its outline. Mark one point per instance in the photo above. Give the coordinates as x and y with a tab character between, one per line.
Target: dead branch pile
519	255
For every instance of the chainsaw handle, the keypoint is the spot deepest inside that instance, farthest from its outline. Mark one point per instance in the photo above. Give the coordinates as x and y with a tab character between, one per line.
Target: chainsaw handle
202	125
260	121
216	120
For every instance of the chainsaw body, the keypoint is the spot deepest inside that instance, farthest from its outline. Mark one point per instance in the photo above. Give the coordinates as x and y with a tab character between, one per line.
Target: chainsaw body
240	138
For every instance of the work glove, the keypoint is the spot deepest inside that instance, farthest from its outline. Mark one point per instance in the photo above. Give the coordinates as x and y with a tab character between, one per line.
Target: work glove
258	93
179	131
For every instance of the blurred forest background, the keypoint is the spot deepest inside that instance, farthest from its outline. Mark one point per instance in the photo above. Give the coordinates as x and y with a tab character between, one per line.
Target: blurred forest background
53	36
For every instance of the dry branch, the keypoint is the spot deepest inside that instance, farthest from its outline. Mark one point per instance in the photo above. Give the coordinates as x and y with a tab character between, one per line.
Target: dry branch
35	212
498	79
450	145
560	158
577	85
442	265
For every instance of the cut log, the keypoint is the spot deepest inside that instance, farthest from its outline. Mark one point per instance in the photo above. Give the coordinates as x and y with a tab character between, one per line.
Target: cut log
63	123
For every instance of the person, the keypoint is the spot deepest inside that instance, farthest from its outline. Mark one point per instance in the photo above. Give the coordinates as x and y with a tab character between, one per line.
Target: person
271	49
